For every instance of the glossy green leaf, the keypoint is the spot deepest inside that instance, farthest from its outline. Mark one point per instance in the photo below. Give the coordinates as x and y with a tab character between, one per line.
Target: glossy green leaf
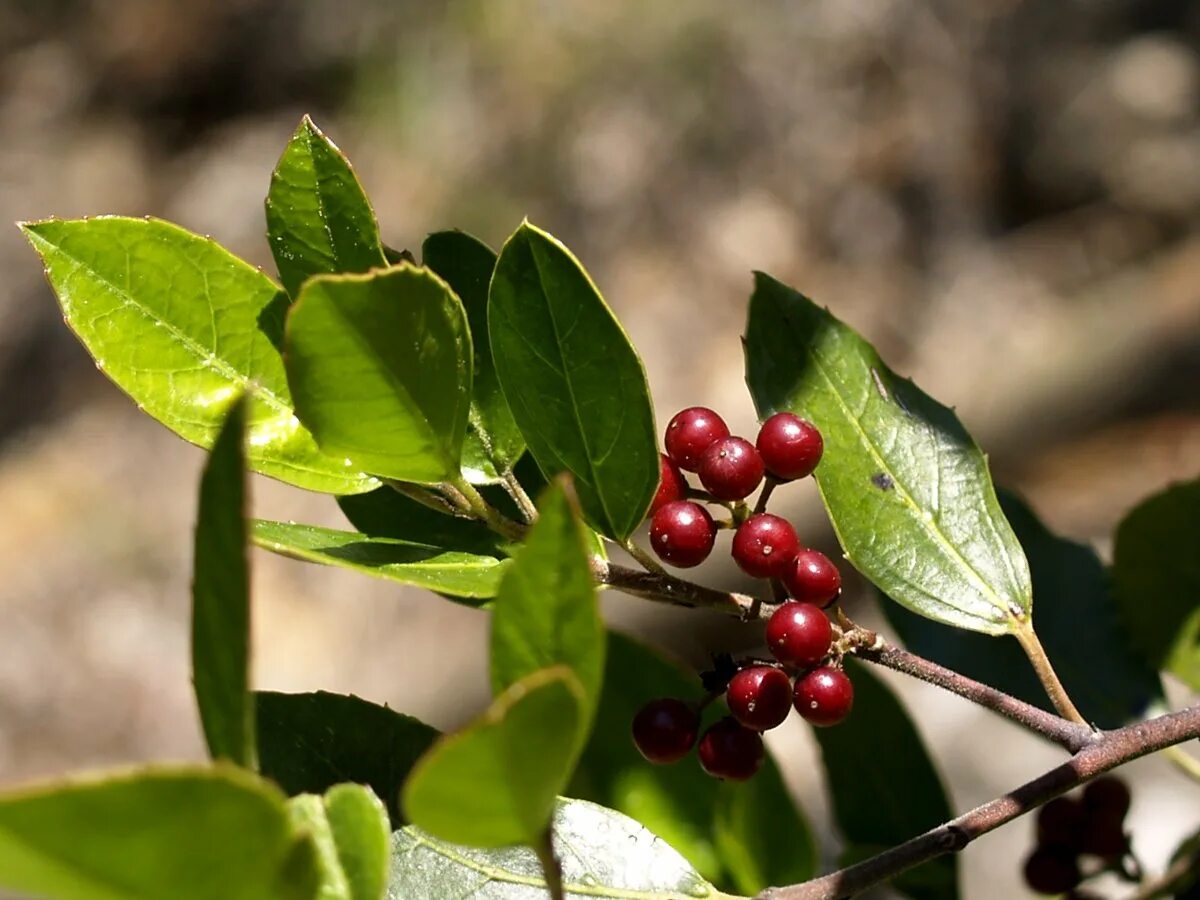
494	783
319	221
574	383
603	853
1077	621
906	488
307	743
187	833
184	327
451	572
1156	575
380	366
221	600
545	612
387	513
350	831
493	443
884	786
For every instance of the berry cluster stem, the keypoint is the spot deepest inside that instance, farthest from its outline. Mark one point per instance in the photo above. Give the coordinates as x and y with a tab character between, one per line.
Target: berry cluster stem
665	588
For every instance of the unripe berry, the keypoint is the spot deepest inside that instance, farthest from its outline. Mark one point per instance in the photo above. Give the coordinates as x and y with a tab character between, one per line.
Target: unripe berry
682	533
812	578
790	446
664	730
760	697
729	751
824	696
690	432
671	484
731	469
799	634
1051	871
765	546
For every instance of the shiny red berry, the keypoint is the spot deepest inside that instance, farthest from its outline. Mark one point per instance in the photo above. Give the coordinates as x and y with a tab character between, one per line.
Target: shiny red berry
765	546
813	578
790	446
1107	796
728	750
1060	824
671	484
731	468
760	697
664	730
824	696
690	433
682	533
799	634
1051	871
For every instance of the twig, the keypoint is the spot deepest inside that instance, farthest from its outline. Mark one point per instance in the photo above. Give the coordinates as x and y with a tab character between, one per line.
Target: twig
519	496
424	496
648	562
669	589
481	509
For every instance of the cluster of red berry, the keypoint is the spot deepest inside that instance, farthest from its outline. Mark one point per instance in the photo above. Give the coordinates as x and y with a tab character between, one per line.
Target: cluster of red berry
1069	828
799	634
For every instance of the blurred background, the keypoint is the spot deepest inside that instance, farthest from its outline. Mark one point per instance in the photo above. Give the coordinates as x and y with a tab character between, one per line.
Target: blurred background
1004	195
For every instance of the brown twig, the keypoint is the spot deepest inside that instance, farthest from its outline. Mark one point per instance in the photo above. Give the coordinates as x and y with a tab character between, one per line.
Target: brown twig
669	589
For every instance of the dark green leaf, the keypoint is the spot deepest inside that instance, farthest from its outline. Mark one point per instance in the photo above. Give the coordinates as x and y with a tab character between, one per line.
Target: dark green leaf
1077	621
603	854
386	513
310	742
545	612
221	600
493	442
447	571
380	366
182	326
1156	574
187	833
884	786
897	464
319	221
494	783
359	825
574	383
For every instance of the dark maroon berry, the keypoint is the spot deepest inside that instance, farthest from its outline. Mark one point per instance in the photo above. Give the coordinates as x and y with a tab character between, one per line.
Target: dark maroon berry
664	730
1107	796
731	469
1103	836
671	484
799	634
824	696
690	433
760	697
765	546
790	446
729	751
1060	824
1051	871
813	578
682	533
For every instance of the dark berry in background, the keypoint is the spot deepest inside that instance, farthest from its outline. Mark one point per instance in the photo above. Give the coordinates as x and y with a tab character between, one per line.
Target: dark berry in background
690	433
730	751
1051	871
790	446
664	730
731	469
682	533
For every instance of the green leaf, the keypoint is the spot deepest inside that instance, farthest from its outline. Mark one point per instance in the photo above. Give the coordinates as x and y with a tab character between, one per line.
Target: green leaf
545	612
574	383
380	366
187	833
1156	575
494	783
493	443
182	326
448	571
308	743
308	814
1077	621
360	831
386	513
897	463
221	600
319	221
884	786
604	855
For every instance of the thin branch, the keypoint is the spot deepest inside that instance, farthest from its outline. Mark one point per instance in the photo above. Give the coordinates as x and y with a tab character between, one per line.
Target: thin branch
1109	750
648	562
513	486
481	509
424	496
668	589
1032	646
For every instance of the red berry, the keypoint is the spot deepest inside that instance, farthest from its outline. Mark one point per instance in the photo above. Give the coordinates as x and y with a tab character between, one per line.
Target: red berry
765	545
664	730
813	578
671	484
1051	871
760	697
1060	824
682	533
729	751
790	446
824	696
1107	796
731	468
798	634
690	433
